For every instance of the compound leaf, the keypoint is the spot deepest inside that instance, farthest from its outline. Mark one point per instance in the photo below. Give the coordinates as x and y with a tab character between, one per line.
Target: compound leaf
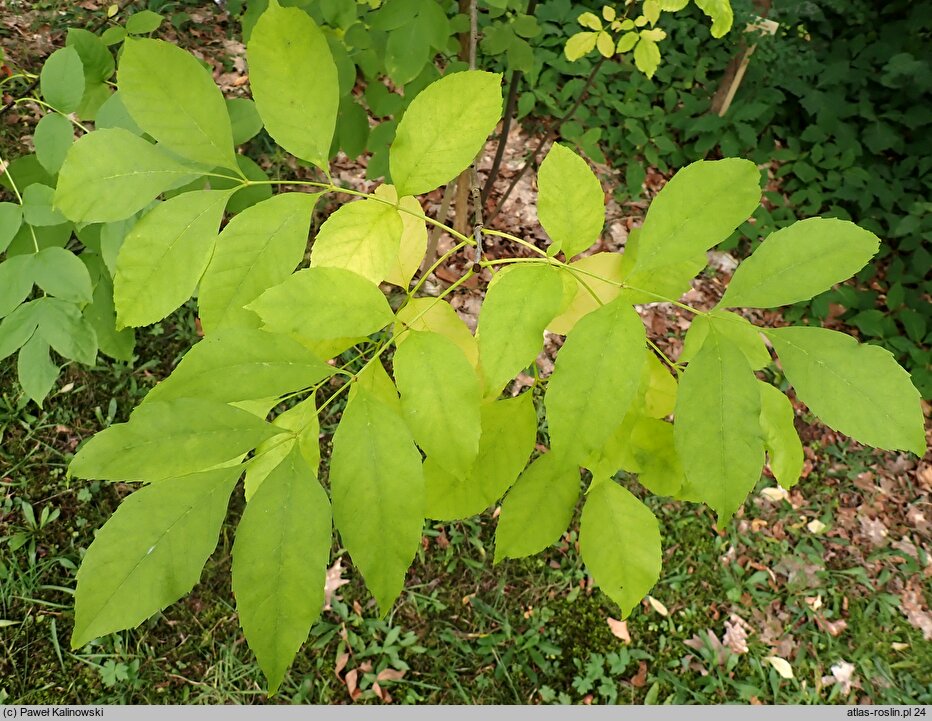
301	420
16	280
717	428
35	370
780	437
280	564
443	130
700	206
298	105
377	486
594	381
597	272
519	304
799	262
60	273
437	316
735	328
619	540
322	304
164	256
364	237
163	439
538	508
150	552
413	237
53	137
62	80
256	250
856	389
440	398
509	432
240	364
174	99
570	202
110	174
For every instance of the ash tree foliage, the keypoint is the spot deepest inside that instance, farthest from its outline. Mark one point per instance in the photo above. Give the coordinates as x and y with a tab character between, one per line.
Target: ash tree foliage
427	430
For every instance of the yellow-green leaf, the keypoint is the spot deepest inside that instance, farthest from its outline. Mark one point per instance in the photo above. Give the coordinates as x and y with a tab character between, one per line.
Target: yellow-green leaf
619	540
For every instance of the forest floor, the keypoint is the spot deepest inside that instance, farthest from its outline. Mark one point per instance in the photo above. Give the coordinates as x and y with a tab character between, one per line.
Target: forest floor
831	577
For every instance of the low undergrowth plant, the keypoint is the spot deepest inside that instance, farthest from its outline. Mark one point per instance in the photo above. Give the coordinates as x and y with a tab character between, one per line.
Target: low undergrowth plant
427	429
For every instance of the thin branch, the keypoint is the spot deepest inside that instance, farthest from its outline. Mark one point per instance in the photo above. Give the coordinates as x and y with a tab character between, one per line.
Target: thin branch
510	104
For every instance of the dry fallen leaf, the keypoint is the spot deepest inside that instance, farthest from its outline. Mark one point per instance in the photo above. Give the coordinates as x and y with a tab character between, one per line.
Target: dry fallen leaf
816	526
843	673
775	494
781	666
658	607
640	678
619	629
333	581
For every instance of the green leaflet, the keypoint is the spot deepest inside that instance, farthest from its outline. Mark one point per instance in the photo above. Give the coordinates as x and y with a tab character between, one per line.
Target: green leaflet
111	174
652	452
856	389
377	486
280	564
443	130
413	237
18	327
437	316
95	57
737	329
570	202
101	315
60	273
113	114
143	22
240	364
11	218
16	280
37	206
668	281
364	237
256	250
538	508
799	262
720	13
62	80
594	380
173	98
700	206
583	300
150	552
717	429
35	370
323	304
780	438
244	119
164	255
374	379
440	398
53	138
509	432
619	540
298	105
659	388
519	304
302	420
166	439
65	329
